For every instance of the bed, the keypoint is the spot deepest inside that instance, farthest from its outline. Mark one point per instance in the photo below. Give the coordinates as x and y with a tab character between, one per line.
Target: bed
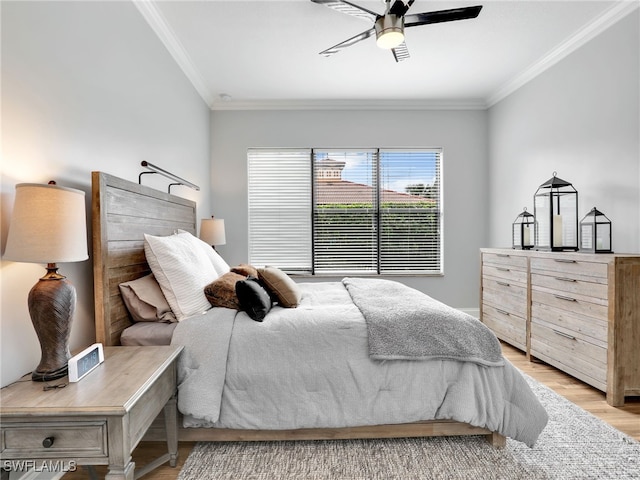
308	372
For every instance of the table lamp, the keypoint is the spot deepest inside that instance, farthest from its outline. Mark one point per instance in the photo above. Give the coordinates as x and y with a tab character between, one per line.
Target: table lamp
212	231
49	226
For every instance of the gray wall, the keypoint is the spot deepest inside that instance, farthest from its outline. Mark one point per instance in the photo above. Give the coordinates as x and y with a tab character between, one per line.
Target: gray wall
581	119
462	134
86	86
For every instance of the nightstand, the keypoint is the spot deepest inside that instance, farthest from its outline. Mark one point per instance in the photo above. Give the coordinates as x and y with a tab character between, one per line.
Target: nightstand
96	421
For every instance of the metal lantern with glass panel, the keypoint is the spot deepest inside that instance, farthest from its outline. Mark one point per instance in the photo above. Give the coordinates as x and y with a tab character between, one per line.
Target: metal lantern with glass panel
555	208
524	231
595	232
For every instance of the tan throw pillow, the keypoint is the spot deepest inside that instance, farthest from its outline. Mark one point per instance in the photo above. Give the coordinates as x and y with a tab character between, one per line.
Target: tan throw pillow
144	300
281	286
222	291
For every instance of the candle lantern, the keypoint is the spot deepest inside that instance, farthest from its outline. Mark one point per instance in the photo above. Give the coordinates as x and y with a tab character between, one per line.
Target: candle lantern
555	208
523	231
595	232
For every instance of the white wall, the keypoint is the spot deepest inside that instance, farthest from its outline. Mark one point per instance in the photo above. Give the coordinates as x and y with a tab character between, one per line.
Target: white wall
462	134
581	119
86	86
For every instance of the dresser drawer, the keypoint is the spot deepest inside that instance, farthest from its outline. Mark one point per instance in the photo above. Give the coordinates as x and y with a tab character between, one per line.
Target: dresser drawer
505	260
590	329
571	268
505	274
570	303
507	326
569	286
65	439
504	295
582	359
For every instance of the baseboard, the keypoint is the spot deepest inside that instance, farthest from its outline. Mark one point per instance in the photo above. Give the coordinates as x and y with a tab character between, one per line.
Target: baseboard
474	312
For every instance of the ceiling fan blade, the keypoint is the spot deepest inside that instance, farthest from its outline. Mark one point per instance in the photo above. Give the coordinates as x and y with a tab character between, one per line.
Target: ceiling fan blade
347	43
416	19
349	8
401	52
399	7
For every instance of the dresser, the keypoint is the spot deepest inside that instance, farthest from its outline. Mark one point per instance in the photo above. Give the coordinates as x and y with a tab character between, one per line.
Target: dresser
576	311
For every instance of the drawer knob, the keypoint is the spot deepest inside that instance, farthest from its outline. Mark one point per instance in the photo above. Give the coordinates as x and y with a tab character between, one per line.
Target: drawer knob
48	442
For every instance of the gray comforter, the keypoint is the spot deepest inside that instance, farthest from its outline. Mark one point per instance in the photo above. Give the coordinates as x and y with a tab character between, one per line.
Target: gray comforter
309	367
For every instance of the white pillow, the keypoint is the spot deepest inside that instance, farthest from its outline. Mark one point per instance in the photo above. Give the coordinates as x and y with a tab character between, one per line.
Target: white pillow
182	269
217	261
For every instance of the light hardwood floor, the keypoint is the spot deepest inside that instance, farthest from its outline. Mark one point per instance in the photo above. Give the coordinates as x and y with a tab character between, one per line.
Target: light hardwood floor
626	419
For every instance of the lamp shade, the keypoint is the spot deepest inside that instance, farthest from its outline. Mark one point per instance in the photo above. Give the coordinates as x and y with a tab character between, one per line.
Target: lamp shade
48	225
212	231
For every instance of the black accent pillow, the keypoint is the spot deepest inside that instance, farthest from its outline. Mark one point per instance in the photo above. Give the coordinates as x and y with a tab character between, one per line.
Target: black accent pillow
253	298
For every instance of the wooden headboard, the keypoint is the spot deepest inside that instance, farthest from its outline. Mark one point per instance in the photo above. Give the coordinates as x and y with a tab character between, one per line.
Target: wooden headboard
123	212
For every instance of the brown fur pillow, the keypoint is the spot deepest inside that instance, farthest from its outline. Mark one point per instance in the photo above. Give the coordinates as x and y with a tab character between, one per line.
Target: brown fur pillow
246	270
222	291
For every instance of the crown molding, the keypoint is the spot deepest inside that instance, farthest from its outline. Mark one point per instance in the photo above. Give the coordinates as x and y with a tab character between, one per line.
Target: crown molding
167	36
370	104
160	26
580	38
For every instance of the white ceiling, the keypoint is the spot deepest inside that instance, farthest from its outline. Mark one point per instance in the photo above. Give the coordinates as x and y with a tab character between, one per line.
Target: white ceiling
264	54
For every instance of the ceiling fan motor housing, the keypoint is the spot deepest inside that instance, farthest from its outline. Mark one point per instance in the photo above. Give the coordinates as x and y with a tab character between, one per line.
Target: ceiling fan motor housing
389	30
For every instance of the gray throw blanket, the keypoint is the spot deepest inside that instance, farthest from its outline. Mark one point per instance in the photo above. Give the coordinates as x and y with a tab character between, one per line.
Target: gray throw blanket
406	324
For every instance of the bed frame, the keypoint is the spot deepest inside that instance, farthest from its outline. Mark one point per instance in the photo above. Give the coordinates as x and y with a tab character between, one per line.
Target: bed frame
122	212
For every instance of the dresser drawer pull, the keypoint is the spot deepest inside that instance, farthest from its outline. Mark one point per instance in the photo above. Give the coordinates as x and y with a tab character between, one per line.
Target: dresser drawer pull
568	299
504	312
565	335
48	442
502	269
504	284
564	260
503	255
565	279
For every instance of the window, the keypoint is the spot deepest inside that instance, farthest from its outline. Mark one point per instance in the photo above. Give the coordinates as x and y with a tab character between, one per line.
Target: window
366	211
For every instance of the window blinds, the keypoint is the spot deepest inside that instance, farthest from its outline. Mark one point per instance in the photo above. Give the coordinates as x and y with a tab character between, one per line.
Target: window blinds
369	211
280	208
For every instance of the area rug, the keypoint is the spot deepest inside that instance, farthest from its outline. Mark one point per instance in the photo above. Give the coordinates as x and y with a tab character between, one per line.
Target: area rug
575	445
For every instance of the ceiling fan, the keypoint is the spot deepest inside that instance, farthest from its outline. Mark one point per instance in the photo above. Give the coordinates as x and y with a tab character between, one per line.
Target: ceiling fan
389	28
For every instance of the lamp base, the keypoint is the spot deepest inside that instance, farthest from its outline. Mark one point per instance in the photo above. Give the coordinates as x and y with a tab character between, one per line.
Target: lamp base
52	302
38	376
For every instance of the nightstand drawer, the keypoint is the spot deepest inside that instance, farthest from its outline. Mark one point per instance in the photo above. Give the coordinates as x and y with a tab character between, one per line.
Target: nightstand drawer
54	440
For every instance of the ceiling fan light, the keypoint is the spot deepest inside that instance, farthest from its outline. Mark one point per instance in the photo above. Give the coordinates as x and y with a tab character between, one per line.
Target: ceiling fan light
389	31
